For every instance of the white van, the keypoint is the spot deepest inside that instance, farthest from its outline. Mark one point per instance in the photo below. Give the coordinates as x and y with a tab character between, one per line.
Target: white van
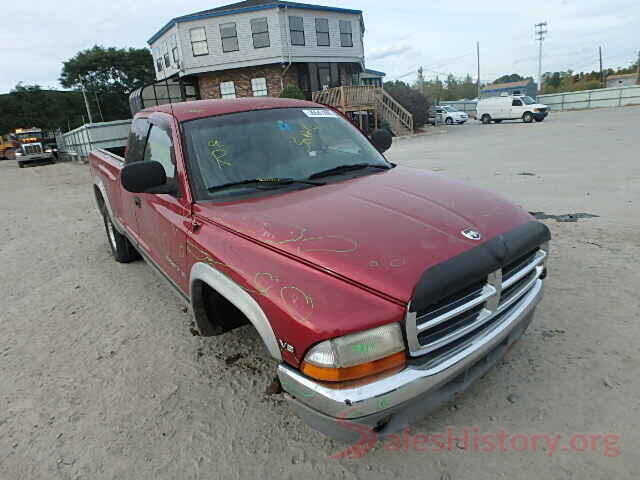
496	109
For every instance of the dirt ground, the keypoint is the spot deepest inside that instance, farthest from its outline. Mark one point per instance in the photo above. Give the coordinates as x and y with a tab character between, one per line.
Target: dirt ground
101	379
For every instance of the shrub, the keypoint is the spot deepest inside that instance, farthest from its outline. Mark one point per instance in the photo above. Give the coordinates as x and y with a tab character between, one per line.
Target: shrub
411	99
292	91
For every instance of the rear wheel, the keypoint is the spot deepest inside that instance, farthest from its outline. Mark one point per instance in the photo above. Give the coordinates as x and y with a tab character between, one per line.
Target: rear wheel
486	119
121	248
449	121
527	117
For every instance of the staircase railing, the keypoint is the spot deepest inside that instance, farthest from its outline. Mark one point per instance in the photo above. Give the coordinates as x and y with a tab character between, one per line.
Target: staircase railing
355	98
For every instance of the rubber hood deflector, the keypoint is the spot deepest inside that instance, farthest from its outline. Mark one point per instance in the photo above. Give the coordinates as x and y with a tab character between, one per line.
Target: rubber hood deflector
471	266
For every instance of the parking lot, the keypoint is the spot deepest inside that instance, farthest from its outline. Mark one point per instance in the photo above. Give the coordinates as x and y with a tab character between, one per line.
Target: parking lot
101	377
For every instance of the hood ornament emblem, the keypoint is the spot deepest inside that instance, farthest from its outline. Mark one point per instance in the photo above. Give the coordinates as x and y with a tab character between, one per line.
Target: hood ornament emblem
471	234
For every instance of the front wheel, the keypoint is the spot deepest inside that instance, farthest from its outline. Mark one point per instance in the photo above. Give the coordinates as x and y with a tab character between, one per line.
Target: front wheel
486	119
527	117
121	248
449	121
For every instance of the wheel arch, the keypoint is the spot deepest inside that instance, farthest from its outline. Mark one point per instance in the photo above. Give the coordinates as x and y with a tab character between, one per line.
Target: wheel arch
204	275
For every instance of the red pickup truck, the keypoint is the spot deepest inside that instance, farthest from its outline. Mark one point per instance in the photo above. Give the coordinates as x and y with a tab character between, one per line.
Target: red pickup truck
381	291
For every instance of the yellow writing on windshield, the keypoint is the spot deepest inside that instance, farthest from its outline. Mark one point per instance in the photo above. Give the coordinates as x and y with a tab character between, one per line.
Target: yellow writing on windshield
218	152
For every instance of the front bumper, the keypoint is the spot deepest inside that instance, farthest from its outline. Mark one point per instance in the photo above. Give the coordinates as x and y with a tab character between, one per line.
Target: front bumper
40	157
390	404
541	115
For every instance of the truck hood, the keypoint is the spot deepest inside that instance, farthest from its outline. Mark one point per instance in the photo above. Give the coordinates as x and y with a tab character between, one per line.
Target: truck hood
381	230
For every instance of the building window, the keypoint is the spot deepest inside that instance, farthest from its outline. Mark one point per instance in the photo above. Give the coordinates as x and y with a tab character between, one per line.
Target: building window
199	44
227	90
174	52
167	60
159	63
322	32
346	34
229	35
260	32
259	87
296	27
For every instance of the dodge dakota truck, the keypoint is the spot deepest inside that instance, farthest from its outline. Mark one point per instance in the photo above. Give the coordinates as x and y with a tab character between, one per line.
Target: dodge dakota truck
381	291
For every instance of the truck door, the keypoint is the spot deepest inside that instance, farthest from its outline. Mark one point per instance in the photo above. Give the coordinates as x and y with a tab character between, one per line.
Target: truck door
129	201
163	219
516	108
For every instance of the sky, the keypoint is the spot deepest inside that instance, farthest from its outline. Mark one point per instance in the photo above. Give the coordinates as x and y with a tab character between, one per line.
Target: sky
439	35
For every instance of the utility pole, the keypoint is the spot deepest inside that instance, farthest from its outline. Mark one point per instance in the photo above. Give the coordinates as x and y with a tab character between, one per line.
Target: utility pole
601	72
100	108
541	31
86	102
478	49
638	70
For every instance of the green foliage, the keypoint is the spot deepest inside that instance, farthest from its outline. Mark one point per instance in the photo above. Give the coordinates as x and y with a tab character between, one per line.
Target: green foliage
31	106
514	77
451	89
569	81
112	74
411	99
292	91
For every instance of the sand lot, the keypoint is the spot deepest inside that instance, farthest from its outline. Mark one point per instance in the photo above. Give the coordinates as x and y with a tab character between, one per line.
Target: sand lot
101	378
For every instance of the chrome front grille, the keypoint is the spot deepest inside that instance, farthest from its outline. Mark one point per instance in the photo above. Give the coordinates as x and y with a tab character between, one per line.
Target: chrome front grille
440	325
31	149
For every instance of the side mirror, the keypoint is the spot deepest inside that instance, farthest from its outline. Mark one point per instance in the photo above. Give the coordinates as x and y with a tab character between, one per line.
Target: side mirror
382	139
143	177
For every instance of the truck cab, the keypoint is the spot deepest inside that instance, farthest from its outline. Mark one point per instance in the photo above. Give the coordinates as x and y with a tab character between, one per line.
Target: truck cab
31	147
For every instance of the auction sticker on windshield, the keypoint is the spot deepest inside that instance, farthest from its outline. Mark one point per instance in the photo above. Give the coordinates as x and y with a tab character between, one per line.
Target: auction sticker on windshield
319	113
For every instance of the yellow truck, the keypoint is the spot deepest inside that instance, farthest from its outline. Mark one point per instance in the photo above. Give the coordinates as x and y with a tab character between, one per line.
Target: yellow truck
8	148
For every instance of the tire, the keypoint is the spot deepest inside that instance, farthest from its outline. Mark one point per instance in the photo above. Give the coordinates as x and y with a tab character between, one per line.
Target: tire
497	121
121	248
20	164
486	119
449	121
527	117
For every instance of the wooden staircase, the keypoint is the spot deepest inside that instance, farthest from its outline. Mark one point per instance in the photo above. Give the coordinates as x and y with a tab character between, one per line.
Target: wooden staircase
351	99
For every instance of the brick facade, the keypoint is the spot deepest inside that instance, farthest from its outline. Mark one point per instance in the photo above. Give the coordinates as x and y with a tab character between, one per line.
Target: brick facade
209	83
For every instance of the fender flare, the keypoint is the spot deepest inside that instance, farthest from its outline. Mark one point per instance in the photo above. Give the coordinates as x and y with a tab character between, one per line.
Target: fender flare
234	293
99	184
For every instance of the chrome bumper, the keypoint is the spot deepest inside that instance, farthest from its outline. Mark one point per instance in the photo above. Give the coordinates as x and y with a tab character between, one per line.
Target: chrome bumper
388	394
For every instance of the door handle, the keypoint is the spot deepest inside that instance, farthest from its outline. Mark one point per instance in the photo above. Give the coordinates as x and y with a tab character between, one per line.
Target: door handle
137	202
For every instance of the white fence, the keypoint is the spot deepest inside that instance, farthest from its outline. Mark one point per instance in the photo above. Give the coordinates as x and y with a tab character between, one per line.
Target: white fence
603	97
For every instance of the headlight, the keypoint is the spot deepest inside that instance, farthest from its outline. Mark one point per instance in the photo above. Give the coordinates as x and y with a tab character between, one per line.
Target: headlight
48	150
356	355
536	109
18	154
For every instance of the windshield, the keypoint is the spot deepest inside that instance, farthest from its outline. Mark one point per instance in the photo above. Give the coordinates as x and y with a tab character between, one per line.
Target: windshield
29	137
450	109
290	143
528	100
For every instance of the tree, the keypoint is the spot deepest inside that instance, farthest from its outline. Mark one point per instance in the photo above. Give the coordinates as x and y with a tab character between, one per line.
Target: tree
514	77
31	106
411	99
111	74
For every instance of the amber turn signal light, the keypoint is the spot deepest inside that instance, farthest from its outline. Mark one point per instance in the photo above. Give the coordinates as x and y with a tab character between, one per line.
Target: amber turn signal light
328	374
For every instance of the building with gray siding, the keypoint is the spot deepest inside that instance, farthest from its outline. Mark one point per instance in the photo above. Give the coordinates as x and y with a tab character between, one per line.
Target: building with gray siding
256	47
524	87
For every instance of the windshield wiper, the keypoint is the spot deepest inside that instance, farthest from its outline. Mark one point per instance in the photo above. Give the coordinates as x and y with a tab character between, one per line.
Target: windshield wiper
269	181
346	168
